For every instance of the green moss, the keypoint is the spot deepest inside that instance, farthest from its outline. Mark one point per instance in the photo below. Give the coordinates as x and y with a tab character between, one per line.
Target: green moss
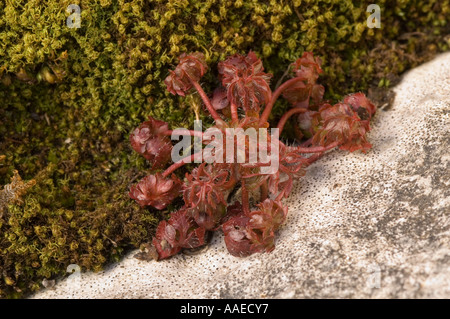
45	234
70	98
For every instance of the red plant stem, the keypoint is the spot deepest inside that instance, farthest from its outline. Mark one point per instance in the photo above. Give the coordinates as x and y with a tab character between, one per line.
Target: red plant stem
191	133
174	166
245	200
252	175
317	149
266	113
234	113
314	158
206	100
255	165
287	115
264	191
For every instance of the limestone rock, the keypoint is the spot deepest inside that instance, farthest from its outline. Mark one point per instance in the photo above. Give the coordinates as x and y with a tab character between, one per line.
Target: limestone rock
373	225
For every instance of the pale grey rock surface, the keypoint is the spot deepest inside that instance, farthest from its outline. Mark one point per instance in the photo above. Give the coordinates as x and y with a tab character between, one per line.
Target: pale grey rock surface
373	225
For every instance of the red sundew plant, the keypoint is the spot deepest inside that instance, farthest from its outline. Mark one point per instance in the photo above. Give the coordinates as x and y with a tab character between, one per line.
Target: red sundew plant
251	222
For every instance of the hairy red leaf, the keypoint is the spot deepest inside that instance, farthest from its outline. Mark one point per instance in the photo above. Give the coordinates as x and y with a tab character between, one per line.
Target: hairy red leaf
263	224
191	68
291	166
205	192
149	141
246	82
156	190
340	123
308	67
255	232
304	87
235	233
180	231
361	105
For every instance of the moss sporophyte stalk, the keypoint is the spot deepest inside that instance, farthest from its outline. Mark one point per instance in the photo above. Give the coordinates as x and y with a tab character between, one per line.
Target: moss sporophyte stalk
71	97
